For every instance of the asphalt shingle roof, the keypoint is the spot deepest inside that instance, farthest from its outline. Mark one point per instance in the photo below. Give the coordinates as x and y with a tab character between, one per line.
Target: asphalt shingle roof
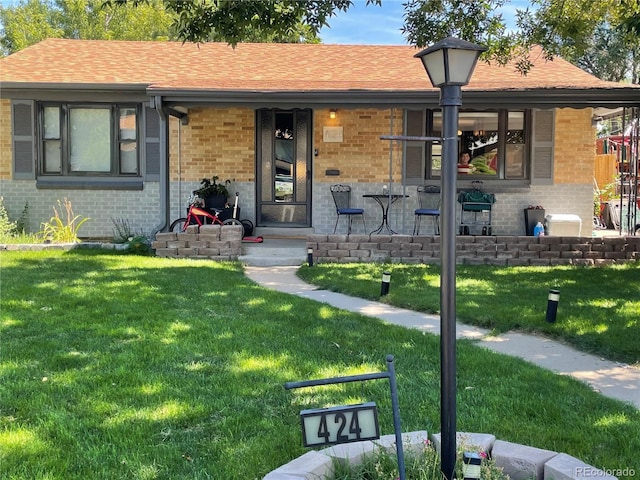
263	67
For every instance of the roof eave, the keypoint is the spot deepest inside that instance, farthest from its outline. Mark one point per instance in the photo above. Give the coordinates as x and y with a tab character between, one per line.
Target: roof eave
51	91
623	96
503	98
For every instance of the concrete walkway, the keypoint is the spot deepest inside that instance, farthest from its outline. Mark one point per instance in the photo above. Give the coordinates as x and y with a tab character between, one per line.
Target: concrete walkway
612	379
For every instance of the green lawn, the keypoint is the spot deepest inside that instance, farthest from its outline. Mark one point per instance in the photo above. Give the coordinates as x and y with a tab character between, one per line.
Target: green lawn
117	366
598	312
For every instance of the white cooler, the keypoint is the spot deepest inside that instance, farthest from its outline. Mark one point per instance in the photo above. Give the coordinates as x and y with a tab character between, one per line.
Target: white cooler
563	224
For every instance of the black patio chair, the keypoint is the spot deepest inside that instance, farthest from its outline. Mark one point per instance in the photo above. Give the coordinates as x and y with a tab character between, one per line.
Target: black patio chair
429	201
342	198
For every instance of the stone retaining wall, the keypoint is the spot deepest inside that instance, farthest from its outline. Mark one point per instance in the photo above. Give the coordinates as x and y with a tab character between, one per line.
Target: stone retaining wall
520	462
474	250
214	242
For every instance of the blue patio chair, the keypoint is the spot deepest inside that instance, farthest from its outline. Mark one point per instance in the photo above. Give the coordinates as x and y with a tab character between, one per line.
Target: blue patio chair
342	198
429	200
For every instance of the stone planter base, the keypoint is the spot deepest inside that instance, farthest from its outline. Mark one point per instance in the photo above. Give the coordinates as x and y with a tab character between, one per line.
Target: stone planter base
520	462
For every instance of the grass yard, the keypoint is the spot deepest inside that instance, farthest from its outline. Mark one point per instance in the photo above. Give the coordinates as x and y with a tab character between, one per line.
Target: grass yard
128	367
598	312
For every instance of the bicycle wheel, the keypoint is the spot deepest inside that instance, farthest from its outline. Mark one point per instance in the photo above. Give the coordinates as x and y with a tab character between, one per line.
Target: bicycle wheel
248	227
178	225
232	221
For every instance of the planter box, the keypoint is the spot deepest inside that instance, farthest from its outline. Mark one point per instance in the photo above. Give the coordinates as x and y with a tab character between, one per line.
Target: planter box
215	201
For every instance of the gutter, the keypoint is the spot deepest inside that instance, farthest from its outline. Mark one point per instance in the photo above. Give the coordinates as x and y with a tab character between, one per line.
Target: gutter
156	102
472	98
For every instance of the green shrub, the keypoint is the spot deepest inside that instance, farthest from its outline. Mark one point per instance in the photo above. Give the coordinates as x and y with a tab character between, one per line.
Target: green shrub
139	245
7	227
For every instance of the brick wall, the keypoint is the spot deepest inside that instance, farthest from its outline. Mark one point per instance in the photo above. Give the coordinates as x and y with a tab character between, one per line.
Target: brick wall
5	139
140	208
476	250
217	141
362	156
575	148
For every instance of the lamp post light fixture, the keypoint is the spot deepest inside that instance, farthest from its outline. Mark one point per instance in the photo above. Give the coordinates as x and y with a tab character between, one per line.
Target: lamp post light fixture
449	64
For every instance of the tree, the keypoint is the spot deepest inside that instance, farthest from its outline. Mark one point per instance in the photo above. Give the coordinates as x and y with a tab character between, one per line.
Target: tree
632	21
235	21
478	21
31	21
232	21
597	35
610	56
27	24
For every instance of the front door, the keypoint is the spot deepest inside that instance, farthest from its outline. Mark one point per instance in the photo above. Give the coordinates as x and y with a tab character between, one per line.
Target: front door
283	177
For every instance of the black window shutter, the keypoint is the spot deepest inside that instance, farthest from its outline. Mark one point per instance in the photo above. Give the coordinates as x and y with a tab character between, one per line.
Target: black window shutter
22	123
152	144
542	147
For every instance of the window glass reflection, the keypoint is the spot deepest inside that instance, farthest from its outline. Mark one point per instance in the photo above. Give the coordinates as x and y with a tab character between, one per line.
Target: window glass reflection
478	133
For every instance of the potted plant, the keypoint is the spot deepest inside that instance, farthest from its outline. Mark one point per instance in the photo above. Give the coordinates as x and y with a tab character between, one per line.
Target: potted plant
213	193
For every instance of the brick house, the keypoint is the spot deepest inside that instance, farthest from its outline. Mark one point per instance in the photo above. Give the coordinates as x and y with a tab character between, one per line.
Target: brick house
128	130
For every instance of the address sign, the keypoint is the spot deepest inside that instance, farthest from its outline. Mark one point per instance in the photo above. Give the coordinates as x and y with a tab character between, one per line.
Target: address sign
343	424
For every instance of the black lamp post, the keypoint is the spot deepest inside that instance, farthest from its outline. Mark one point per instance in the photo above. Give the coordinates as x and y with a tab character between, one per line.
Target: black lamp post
449	64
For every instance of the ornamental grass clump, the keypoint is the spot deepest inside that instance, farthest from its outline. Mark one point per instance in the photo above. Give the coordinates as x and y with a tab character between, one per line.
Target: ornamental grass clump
57	230
421	463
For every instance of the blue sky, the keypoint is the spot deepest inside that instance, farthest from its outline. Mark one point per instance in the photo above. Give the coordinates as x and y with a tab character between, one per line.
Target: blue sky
373	25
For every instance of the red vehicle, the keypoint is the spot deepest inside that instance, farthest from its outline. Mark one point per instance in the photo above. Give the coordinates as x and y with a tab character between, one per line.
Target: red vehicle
199	216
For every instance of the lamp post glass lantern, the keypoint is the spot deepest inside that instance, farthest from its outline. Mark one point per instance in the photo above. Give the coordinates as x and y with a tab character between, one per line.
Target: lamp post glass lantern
449	64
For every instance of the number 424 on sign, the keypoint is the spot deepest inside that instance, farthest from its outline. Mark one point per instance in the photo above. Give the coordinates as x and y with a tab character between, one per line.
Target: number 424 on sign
343	424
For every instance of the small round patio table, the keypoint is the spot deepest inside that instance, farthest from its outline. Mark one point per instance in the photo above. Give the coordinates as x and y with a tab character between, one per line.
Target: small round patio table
385	200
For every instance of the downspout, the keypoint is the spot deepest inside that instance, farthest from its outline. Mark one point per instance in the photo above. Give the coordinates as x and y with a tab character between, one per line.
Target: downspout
164	220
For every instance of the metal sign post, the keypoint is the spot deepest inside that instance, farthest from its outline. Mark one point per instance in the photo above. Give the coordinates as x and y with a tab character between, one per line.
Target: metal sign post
352	422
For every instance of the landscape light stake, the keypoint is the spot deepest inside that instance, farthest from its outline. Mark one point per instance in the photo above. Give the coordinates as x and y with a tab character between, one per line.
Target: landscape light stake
384	286
552	305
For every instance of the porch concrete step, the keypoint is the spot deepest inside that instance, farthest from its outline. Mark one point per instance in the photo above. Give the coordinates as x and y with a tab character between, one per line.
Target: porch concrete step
274	252
299	233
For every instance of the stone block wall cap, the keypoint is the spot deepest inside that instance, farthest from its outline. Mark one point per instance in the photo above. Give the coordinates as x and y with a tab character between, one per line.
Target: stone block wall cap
283	476
566	467
306	466
515	449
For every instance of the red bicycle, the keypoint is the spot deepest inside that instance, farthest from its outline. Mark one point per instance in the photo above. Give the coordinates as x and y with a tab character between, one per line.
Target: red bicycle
199	216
